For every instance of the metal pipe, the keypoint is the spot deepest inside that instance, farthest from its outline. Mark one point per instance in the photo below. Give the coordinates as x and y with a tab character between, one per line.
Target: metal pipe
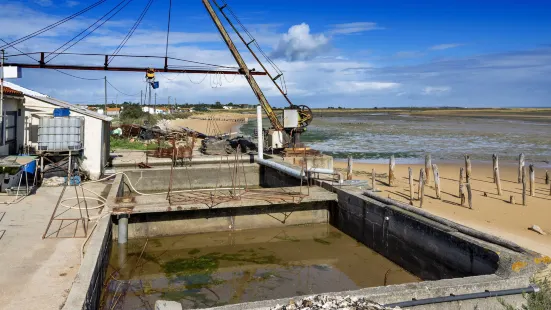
290	171
123	229
321	170
412	303
260	143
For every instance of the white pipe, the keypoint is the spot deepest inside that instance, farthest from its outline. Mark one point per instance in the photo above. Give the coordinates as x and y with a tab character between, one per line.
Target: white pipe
290	171
321	170
260	143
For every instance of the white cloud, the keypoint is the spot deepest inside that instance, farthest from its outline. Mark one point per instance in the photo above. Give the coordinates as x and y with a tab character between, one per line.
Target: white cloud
43	2
361	86
299	44
436	90
350	28
71	3
445	46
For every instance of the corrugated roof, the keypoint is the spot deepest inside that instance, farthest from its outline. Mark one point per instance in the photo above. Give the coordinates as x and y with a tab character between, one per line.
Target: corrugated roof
113	109
12	92
73	107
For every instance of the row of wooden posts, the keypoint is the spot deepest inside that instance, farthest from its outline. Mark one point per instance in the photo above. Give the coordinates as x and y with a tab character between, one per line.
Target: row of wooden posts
424	179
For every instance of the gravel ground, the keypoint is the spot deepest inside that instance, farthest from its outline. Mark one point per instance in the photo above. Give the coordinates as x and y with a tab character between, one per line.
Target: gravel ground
332	302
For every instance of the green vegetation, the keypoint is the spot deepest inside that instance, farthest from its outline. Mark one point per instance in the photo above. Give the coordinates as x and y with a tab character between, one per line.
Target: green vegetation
536	301
125	144
209	263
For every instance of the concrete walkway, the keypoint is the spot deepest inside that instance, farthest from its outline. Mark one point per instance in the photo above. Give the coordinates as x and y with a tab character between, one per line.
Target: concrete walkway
36	273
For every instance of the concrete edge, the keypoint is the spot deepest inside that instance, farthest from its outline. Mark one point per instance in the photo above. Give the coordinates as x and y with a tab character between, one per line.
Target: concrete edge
404	292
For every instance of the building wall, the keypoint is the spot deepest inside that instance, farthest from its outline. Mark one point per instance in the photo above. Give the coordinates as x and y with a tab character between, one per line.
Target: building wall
14	104
96	144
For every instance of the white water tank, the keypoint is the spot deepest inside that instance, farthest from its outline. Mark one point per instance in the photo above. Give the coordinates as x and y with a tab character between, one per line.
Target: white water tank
60	134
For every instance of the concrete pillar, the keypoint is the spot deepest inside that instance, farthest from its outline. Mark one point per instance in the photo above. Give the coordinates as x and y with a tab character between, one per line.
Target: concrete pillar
259	129
123	229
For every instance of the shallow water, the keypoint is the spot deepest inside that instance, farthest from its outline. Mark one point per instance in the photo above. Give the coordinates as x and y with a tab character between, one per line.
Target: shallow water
375	136
214	269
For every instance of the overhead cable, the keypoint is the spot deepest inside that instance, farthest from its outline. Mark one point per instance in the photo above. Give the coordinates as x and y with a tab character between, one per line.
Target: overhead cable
131	32
89	33
168	28
51	26
121	91
78	77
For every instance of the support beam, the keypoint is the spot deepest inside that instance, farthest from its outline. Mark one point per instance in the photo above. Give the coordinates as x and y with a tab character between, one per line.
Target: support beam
127	69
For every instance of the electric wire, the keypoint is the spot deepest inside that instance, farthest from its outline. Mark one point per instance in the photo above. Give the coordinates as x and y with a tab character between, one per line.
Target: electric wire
89	33
131	32
121	91
78	77
51	26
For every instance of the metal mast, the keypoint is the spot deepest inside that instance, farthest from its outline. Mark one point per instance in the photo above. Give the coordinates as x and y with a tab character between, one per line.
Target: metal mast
243	67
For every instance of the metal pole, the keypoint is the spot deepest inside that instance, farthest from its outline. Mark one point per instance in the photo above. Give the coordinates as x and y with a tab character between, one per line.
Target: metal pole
141	97
2	94
105	102
155	107
260	143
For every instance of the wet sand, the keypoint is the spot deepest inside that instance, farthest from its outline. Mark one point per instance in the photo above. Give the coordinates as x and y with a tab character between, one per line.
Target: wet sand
492	214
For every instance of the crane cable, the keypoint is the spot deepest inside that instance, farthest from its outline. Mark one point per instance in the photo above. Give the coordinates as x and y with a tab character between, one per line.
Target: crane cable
78	77
89	33
168	28
131	32
134	95
51	26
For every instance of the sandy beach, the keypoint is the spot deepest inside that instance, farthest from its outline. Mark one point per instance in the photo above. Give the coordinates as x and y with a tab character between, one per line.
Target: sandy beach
213	124
492	214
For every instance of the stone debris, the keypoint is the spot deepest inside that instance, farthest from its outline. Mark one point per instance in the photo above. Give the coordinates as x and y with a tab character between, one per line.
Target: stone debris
320	302
537	229
167	305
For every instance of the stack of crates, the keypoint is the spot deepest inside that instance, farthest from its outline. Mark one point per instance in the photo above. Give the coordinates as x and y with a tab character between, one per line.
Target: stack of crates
60	134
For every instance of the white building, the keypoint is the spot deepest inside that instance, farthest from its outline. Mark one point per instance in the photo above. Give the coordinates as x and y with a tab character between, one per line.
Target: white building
156	110
14	114
33	105
227	107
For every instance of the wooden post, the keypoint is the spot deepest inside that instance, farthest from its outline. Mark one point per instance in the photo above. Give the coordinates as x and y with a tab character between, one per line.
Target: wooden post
410	172
469	195
520	166
428	165
421	187
373	187
512	199
546	177
436	181
532	181
523	177
498	180
349	170
468	169
391	177
495	161
461	189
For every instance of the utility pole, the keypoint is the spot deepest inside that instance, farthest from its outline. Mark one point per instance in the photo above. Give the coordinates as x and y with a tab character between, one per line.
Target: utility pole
155	106
141	97
105	102
2	97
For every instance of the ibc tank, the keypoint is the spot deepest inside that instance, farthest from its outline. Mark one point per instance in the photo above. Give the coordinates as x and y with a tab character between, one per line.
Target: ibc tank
59	134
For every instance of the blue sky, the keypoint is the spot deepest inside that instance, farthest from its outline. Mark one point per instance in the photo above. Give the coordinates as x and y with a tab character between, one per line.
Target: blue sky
334	53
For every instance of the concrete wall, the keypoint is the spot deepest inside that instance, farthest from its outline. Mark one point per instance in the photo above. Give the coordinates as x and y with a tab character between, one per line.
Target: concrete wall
96	135
204	176
228	219
438	252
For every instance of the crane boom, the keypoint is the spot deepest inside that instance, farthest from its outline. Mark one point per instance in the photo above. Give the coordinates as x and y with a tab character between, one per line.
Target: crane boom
243	67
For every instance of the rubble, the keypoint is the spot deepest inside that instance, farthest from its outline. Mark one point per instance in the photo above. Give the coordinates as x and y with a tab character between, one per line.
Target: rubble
319	302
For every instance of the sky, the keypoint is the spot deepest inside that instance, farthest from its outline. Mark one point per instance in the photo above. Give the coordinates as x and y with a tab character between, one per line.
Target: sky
333	53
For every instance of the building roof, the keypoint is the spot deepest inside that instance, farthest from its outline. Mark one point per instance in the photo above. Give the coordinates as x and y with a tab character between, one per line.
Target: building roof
73	107
113	109
12	92
59	103
24	90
